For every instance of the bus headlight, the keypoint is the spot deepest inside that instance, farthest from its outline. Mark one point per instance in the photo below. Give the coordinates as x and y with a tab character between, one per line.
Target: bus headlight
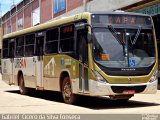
154	76
99	77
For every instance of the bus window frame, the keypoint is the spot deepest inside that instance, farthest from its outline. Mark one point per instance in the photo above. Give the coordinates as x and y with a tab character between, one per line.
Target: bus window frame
44	34
73	53
5	49
38	36
68	52
14	52
29	44
19	46
85	59
45	42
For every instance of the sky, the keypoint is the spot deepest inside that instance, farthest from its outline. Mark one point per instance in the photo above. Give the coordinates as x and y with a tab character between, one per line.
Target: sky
6	5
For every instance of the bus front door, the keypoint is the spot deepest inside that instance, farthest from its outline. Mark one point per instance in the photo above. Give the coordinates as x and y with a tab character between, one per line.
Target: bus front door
83	58
39	62
11	56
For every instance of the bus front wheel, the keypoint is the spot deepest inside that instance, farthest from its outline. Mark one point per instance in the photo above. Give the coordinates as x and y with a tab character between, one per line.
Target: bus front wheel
67	94
22	88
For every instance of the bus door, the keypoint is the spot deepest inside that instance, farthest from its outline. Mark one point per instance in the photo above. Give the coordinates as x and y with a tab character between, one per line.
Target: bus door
11	57
39	60
83	58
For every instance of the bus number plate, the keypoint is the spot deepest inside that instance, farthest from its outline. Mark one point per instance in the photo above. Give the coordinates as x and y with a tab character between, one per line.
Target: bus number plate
128	91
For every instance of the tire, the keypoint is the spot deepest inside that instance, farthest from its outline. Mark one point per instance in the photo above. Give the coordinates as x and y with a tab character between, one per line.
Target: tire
67	94
23	90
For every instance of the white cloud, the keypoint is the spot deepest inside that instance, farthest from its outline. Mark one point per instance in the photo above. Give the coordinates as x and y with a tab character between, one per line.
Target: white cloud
6	5
17	1
4	2
9	2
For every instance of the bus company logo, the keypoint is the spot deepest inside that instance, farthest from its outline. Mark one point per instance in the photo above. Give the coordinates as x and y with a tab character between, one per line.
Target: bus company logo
20	63
129	80
67	61
62	61
127	69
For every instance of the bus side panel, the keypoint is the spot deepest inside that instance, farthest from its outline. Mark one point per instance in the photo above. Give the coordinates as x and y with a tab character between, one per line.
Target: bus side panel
54	66
71	66
51	83
5	70
51	73
27	66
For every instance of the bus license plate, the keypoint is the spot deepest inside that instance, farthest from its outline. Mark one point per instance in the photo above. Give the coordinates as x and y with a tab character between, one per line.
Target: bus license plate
128	92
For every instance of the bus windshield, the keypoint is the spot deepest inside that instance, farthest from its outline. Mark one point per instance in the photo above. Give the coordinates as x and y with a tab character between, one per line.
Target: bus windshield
123	47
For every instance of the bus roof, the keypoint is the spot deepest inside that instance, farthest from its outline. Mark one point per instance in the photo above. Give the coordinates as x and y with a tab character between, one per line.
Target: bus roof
84	15
63	20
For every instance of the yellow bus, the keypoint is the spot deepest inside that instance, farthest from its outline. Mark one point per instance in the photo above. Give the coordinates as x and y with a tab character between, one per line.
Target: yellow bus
93	54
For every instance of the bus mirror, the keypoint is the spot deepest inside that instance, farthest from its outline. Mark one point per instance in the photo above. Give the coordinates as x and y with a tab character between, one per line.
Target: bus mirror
90	37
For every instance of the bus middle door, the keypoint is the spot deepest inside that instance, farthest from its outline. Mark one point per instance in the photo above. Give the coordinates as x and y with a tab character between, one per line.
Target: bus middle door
11	56
39	61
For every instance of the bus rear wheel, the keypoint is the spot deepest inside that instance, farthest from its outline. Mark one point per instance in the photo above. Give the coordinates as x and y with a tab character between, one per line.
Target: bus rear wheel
22	88
67	94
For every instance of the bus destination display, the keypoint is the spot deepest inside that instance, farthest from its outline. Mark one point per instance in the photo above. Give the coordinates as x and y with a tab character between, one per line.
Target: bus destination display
121	19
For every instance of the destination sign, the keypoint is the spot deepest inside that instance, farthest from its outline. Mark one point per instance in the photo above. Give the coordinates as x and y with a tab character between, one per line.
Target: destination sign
121	19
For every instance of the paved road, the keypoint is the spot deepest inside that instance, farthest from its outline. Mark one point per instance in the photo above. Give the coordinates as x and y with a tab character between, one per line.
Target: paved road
51	102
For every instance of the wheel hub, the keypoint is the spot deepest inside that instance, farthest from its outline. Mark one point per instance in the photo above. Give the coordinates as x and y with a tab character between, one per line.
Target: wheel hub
67	90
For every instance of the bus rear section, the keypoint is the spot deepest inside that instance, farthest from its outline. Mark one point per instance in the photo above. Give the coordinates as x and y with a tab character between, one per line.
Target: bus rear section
8	61
124	54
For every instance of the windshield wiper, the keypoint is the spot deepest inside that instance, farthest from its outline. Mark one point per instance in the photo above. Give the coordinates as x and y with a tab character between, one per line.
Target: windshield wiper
118	38
114	33
137	35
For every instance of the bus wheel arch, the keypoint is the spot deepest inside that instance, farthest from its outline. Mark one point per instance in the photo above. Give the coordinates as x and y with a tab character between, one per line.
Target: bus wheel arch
66	89
62	77
21	83
20	73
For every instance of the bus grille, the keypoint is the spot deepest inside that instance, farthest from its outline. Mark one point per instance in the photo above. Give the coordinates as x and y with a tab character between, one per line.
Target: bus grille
120	89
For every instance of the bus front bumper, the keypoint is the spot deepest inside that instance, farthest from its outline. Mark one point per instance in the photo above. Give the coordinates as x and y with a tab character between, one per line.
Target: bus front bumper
102	89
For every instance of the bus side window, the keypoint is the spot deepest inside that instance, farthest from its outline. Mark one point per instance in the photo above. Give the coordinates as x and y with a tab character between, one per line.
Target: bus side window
52	41
11	48
40	46
20	46
67	38
29	45
5	49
